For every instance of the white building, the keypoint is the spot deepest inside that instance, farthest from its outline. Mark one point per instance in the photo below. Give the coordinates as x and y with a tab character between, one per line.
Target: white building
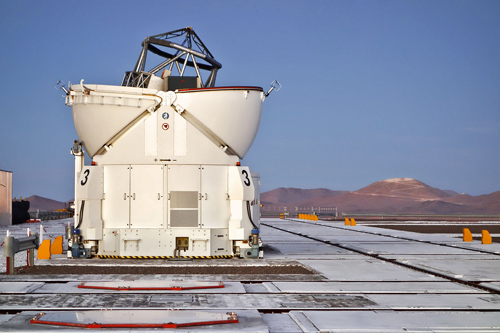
5	197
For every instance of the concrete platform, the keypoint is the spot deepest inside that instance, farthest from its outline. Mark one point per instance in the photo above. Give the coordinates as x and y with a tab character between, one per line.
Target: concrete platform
393	321
362	279
249	321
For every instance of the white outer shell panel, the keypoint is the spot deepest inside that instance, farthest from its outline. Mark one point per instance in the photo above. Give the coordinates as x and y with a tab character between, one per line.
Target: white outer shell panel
232	113
241	185
90	183
105	111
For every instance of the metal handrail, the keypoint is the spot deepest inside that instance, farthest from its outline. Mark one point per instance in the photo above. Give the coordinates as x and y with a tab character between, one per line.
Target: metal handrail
13	246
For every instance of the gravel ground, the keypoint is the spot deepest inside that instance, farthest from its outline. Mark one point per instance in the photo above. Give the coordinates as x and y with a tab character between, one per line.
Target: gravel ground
79	270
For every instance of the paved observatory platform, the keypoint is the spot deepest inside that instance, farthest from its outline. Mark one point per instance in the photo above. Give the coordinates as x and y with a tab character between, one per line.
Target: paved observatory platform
351	279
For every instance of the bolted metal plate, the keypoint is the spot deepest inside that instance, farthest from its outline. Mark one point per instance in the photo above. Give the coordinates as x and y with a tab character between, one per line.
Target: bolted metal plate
392	321
134	318
7	287
152	285
468	270
374	287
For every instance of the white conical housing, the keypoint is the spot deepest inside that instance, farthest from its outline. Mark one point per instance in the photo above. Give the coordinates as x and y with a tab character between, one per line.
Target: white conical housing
228	116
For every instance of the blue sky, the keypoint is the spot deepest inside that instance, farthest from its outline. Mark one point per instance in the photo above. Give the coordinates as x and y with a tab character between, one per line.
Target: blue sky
371	89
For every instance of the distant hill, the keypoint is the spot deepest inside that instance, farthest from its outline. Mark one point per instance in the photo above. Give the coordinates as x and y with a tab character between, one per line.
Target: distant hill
391	196
291	195
403	188
41	203
451	193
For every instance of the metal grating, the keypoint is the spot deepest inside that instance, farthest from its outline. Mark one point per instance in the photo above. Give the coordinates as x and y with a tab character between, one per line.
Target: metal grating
183	199
184	218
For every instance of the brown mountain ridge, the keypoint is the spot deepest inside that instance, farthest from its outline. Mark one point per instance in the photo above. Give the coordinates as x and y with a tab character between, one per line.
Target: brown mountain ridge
390	196
44	204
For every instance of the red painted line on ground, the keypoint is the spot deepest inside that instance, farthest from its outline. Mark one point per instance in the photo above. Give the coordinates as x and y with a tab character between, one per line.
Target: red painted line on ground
84	286
162	325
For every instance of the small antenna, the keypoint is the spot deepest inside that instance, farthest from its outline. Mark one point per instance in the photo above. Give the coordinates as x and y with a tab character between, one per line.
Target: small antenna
275	85
61	85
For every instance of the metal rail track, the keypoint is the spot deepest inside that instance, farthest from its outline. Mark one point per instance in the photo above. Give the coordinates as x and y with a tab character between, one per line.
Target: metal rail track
264	294
391	261
398	237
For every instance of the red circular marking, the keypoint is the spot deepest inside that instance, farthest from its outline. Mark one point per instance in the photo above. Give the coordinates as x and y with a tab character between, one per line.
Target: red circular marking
165	126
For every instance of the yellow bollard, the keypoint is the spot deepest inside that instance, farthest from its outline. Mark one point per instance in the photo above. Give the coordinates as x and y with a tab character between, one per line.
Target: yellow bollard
315	218
353	222
347	222
57	246
485	237
281	215
467	235
44	250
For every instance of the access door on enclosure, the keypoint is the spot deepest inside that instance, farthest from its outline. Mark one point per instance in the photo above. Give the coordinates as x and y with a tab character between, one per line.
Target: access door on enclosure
133	196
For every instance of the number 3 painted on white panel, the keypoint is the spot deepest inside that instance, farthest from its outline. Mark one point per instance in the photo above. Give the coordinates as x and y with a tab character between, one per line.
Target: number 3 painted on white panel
247	180
86	173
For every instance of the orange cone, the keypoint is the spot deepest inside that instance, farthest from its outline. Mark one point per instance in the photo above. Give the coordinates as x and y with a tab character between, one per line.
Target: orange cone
485	237
57	245
467	235
44	250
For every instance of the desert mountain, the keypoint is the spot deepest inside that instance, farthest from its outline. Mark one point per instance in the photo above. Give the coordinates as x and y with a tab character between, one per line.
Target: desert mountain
391	196
403	188
41	203
291	195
